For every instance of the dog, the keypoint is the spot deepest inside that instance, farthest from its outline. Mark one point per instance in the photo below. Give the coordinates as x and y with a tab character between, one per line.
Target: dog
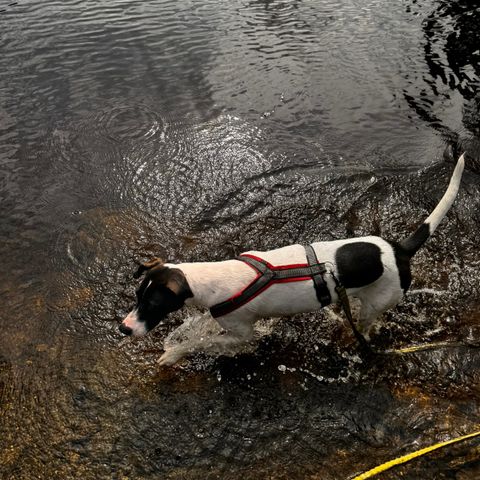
284	281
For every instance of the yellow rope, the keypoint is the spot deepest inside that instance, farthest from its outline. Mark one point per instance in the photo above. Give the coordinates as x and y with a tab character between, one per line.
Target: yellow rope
425	346
411	456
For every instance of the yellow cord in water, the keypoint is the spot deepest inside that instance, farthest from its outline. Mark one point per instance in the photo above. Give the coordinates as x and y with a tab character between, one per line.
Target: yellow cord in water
425	346
411	456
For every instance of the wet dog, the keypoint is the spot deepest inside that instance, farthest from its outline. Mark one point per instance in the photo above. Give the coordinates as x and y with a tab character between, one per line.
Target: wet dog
373	270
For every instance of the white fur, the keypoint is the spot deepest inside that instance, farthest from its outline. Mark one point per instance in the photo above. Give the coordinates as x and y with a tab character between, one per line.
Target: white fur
132	321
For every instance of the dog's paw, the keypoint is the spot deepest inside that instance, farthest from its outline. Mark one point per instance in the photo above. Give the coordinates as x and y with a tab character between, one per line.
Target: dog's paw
170	357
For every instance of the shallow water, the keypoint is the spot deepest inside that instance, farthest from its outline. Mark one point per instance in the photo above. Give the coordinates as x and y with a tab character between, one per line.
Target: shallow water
194	131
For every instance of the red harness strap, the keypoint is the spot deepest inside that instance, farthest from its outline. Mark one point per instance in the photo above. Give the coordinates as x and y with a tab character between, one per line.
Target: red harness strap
268	275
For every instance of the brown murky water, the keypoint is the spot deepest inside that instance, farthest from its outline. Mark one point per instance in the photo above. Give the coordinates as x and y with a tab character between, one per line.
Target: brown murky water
197	130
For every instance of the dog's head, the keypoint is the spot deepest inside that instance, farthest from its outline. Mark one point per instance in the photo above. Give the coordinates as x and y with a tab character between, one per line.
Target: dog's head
163	290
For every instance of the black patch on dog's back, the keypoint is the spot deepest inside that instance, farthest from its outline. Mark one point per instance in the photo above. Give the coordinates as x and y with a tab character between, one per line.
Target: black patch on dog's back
358	264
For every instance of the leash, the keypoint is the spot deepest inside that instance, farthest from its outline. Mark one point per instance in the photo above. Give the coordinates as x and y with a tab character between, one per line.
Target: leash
410	456
345	303
365	346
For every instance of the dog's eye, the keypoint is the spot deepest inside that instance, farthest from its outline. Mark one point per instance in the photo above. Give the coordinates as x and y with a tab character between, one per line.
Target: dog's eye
141	289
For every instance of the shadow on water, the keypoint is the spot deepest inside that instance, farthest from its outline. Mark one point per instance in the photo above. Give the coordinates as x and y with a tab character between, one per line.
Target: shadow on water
146	154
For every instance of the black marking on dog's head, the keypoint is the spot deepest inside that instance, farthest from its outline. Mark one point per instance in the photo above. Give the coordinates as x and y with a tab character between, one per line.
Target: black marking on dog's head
162	291
358	264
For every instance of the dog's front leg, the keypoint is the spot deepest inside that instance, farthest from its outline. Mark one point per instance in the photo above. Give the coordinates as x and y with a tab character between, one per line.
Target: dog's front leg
217	344
237	331
172	355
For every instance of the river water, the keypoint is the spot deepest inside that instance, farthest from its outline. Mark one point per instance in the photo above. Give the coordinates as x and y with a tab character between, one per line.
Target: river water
196	130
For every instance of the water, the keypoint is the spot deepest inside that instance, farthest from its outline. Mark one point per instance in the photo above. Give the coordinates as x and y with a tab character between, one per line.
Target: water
194	131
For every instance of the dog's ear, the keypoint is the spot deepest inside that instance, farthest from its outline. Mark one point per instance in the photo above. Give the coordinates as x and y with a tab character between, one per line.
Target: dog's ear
172	278
154	262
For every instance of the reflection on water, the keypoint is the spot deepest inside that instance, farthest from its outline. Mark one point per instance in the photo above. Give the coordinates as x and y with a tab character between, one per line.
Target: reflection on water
193	131
452	56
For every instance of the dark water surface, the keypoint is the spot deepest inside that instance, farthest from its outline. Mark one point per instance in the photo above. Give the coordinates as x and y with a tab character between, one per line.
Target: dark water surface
194	130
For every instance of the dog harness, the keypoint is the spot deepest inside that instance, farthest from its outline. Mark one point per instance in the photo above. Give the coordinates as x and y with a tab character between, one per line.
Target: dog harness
268	274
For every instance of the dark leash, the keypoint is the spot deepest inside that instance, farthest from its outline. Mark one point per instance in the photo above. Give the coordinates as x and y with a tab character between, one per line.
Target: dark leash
365	348
345	304
324	298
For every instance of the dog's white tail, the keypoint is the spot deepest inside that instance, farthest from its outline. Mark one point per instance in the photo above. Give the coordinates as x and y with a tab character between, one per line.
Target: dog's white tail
412	243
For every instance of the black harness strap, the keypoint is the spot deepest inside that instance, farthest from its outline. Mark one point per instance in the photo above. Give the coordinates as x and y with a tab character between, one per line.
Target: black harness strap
323	294
268	275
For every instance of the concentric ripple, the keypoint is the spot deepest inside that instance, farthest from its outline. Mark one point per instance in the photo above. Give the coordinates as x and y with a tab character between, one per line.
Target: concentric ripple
130	123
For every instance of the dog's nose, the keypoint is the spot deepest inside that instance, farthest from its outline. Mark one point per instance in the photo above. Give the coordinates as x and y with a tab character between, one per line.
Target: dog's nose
125	330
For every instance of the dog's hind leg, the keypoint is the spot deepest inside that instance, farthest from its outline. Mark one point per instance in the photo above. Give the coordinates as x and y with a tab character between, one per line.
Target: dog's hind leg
374	302
368	316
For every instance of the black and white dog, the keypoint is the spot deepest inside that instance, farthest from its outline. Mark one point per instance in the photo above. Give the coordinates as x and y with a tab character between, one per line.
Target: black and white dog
374	270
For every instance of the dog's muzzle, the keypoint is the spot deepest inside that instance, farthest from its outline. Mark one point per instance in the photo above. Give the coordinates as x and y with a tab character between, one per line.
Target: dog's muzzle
132	326
125	330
